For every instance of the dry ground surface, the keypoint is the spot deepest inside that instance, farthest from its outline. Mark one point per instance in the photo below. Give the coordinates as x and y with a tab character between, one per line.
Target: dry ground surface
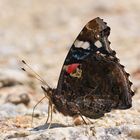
41	32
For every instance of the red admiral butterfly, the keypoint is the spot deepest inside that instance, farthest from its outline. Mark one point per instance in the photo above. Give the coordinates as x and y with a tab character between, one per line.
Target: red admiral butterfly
92	81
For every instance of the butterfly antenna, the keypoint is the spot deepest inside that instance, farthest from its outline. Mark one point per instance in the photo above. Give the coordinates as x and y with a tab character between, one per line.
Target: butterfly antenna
36	75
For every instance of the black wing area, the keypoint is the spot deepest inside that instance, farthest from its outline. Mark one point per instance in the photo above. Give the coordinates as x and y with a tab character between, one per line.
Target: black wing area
92	77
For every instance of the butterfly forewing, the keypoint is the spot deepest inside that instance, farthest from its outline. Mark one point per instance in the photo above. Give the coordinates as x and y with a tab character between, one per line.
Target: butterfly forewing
92	81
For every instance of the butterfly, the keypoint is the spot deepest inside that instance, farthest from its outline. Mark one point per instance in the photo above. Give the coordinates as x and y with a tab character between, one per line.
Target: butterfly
92	82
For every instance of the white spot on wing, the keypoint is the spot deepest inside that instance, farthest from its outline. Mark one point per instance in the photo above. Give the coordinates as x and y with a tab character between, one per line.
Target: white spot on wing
78	43
86	45
81	44
98	44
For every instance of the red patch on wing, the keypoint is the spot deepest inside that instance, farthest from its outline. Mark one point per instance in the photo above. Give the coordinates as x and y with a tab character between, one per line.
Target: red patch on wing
72	67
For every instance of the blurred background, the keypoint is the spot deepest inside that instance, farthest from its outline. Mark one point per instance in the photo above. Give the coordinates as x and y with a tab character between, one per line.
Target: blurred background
41	32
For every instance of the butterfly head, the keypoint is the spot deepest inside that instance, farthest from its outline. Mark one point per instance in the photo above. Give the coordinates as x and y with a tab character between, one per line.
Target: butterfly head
48	92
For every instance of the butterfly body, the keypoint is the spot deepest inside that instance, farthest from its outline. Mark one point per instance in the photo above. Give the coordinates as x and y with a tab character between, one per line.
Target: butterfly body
92	81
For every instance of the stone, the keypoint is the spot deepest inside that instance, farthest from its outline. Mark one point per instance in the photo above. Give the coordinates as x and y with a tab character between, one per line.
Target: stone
18	99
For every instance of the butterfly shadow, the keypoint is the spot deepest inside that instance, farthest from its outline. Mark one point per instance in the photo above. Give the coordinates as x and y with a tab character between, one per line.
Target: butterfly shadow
45	126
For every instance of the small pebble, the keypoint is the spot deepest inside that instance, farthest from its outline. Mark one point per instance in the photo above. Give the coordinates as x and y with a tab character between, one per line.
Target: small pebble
18	99
18	134
135	132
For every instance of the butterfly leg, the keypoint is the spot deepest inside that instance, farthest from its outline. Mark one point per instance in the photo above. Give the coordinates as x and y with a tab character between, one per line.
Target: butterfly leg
79	120
89	121
51	107
80	114
48	114
83	119
34	109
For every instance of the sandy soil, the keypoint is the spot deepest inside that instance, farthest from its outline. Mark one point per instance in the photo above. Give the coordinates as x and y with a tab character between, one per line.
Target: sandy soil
41	33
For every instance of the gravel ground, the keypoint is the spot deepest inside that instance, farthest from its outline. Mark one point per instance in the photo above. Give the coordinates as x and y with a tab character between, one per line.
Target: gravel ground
41	33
